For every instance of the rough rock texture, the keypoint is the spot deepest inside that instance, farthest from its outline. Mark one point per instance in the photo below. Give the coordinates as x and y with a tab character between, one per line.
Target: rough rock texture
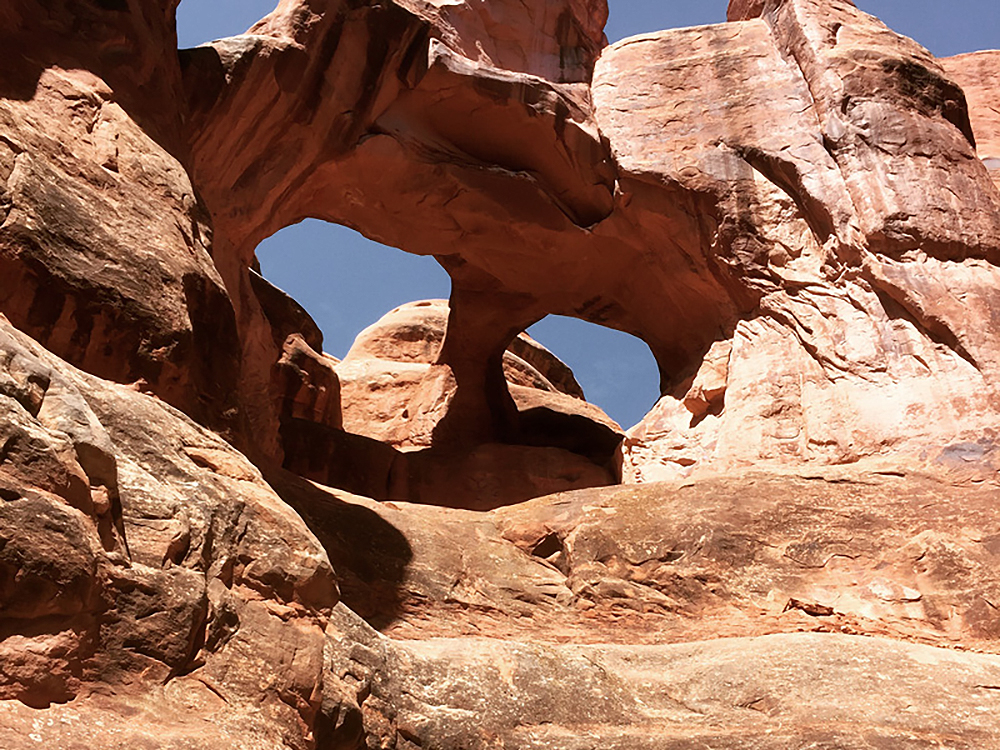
138	550
392	397
889	553
978	73
768	693
212	534
853	348
393	359
104	246
816	214
381	138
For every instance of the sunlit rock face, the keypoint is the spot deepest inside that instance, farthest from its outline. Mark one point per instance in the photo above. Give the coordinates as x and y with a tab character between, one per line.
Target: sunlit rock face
783	241
104	245
395	394
978	73
847	149
214	534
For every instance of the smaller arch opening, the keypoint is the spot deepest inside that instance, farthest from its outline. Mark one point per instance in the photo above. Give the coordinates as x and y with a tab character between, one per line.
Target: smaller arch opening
616	370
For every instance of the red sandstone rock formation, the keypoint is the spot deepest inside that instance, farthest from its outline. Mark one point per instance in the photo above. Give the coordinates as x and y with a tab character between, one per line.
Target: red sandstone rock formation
104	248
978	74
794	222
213	534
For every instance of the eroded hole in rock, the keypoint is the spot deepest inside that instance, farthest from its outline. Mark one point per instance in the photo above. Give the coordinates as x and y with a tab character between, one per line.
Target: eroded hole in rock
616	371
345	280
375	419
821	319
548	545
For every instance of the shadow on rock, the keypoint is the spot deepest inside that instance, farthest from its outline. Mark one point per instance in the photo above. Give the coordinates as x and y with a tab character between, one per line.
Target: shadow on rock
369	554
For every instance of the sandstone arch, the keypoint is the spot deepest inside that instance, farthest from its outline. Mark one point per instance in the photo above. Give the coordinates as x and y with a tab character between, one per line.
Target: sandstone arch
781	217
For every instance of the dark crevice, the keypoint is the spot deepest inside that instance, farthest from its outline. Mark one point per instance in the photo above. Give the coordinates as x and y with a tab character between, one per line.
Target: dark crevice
715	409
548	545
785	176
932	328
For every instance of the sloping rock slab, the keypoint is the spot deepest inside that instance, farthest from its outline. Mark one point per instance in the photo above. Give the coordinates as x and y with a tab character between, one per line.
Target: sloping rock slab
878	552
790	691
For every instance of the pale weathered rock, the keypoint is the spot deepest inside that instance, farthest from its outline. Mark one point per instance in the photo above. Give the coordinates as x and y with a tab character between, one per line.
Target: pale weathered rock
492	632
788	691
849	331
891	119
978	73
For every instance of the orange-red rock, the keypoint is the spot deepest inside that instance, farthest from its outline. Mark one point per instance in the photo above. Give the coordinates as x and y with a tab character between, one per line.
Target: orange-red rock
978	73
394	395
391	392
790	206
104	245
793	209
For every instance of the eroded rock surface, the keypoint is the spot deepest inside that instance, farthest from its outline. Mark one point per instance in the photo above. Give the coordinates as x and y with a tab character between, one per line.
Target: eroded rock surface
819	150
796	691
212	533
830	225
138	549
877	552
978	73
104	246
393	396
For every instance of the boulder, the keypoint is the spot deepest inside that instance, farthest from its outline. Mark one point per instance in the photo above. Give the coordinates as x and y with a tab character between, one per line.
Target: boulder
394	395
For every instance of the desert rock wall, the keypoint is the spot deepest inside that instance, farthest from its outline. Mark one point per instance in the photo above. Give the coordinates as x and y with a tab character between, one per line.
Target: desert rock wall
769	225
213	534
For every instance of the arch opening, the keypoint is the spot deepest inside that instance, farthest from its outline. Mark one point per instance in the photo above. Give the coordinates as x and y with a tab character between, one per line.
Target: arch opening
344	280
347	282
616	370
365	417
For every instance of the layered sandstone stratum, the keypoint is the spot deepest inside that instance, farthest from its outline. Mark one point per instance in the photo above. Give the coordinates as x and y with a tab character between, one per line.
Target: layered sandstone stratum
214	535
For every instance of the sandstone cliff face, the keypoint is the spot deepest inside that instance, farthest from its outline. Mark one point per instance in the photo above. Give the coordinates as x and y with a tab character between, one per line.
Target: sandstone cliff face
105	247
790	209
139	546
815	156
977	74
214	534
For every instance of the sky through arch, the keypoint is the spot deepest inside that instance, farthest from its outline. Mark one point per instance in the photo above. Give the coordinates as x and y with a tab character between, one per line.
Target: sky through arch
347	282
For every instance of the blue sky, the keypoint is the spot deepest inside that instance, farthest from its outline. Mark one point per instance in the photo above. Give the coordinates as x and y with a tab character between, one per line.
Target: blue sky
347	282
